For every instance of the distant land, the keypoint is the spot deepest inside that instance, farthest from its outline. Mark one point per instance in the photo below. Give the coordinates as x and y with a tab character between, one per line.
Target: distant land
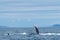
56	25
52	26
3	26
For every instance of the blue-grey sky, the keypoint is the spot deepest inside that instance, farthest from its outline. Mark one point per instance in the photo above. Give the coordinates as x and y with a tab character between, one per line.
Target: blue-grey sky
25	13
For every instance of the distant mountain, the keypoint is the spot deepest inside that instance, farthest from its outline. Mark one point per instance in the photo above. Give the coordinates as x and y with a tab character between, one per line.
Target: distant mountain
3	27
56	25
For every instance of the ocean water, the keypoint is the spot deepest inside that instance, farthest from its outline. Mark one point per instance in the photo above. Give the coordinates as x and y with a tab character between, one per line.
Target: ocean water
28	34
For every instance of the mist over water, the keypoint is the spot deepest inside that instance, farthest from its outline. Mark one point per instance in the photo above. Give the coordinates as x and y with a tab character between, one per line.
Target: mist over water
28	34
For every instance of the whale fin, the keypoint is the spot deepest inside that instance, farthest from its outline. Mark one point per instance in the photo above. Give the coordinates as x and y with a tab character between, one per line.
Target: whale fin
36	30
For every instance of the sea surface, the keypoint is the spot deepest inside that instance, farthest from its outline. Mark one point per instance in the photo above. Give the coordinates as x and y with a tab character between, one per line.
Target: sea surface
28	34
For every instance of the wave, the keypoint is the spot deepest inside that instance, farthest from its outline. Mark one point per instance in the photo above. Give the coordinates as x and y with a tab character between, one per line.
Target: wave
49	33
24	33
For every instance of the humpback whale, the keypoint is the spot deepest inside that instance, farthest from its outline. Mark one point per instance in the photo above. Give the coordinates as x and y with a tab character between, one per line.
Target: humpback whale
36	30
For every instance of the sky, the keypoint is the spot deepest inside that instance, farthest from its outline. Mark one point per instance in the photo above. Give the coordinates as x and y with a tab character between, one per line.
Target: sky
25	13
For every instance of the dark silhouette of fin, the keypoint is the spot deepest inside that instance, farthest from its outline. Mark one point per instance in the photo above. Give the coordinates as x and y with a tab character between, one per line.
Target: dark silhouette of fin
8	33
36	29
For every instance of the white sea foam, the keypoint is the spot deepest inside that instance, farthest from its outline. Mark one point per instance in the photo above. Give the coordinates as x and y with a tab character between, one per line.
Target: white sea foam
24	33
49	33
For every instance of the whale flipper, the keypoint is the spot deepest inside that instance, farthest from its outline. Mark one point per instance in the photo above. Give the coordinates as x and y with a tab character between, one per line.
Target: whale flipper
36	29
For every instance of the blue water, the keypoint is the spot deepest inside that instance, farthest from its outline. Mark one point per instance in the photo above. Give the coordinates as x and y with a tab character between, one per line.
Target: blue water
27	34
